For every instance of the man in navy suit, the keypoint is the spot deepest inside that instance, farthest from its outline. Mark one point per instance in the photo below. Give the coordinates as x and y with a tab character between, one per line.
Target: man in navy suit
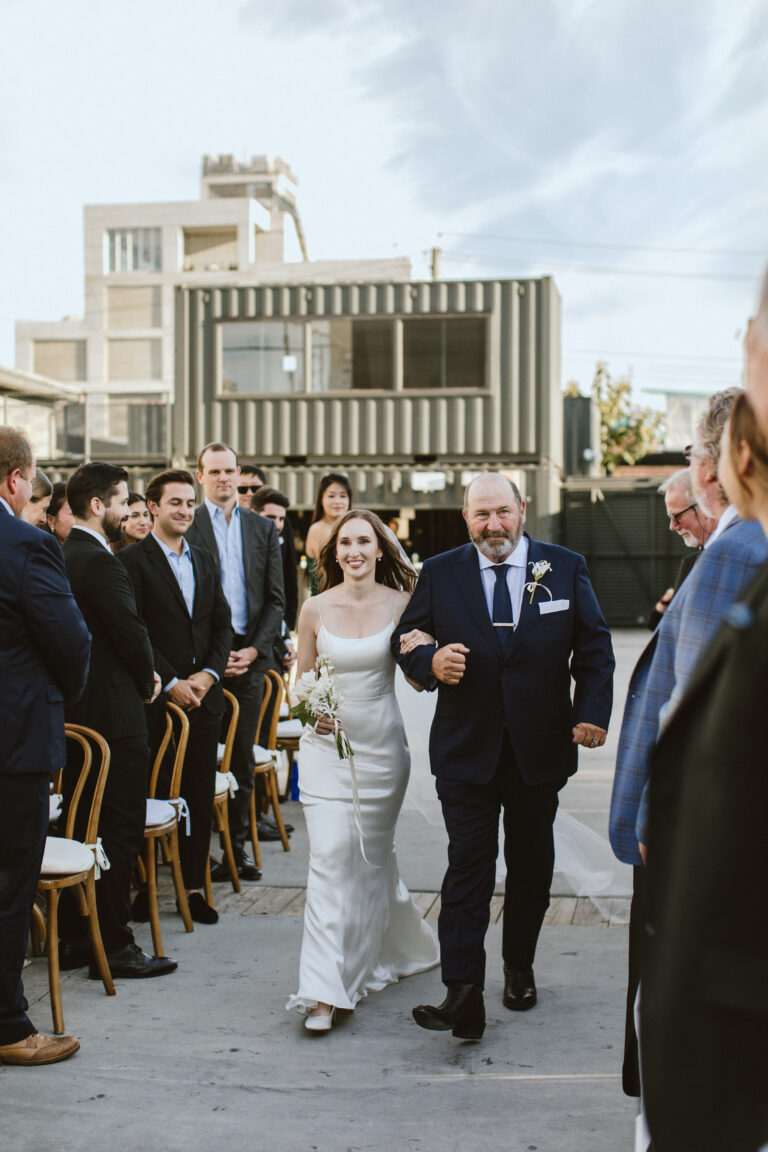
44	651
514	620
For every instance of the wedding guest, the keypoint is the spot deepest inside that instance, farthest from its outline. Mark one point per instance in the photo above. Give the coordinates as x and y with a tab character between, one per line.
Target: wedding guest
731	556
36	509
43	666
274	505
139	522
246	554
251	478
692	526
703	1017
179	596
58	516
121	680
334	497
505	732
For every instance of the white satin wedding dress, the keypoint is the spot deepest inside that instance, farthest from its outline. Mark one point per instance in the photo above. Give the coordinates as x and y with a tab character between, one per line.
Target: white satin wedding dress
361	928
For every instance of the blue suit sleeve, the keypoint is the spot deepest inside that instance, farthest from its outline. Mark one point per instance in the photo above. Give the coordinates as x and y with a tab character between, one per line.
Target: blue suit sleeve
55	622
592	662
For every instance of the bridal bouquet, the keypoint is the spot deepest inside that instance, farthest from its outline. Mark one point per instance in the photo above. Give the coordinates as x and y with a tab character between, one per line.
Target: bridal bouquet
318	695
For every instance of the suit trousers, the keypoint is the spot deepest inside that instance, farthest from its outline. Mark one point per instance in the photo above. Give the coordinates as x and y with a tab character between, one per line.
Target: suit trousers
249	692
198	785
471	814
23	828
121	828
630	1072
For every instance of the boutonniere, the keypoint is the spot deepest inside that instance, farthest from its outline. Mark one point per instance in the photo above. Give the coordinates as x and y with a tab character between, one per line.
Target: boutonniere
538	570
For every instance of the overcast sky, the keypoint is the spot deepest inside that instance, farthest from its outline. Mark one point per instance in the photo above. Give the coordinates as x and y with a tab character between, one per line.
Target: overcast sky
621	147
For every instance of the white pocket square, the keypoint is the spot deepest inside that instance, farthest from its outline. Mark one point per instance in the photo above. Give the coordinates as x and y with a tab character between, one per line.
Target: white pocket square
553	606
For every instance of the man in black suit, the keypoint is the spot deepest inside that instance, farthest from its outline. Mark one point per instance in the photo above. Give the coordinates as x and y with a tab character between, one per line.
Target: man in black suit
252	479
515	619
121	679
44	650
246	553
179	595
274	504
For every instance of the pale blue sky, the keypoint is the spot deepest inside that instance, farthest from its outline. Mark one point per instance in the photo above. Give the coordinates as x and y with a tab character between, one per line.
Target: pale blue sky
565	136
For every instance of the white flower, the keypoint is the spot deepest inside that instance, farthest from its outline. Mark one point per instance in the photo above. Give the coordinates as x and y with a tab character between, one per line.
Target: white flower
540	568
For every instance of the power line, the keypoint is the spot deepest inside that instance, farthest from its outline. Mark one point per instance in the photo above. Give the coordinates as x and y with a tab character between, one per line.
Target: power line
607	247
605	270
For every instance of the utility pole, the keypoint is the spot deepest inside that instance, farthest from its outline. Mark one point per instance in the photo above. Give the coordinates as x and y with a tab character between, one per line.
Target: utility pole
435	263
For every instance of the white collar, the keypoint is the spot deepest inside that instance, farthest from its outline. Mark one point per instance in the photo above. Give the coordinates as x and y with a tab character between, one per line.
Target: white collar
96	535
518	558
5	504
729	515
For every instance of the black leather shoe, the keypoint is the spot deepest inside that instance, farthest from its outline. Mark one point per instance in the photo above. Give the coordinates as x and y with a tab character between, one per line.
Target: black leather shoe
270	823
199	910
519	988
74	955
133	964
246	870
268	831
140	907
462	1012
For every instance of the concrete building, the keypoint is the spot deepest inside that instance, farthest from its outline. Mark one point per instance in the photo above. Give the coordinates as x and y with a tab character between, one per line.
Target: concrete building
135	257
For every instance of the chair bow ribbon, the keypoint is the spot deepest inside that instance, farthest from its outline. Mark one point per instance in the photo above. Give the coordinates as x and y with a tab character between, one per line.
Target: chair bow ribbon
101	862
232	783
182	811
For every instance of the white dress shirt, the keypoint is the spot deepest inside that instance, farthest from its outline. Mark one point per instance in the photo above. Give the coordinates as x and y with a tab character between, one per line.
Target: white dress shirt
728	516
96	535
6	505
517	564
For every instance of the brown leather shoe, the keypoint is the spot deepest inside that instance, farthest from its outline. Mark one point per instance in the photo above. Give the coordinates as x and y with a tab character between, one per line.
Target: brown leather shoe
39	1049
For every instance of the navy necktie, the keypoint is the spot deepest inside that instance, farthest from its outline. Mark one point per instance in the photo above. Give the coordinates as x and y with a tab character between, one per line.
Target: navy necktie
502	604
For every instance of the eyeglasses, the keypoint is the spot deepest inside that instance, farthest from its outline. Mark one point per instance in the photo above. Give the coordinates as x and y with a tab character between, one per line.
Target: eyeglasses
244	488
676	517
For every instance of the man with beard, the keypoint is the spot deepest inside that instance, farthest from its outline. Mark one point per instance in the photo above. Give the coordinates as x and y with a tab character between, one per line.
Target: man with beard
513	619
121	680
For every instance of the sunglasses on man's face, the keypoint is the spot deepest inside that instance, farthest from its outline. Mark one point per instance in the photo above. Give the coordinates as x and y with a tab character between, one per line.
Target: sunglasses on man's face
243	488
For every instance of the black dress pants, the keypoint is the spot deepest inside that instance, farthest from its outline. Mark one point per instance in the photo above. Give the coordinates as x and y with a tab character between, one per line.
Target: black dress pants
23	828
630	1072
471	813
198	785
121	828
248	689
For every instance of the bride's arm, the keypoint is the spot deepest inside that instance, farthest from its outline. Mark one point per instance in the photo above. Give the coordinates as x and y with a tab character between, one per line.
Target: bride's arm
309	622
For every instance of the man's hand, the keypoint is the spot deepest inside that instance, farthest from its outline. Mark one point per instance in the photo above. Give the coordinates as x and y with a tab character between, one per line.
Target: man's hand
240	661
290	657
185	695
664	601
449	663
415	639
589	735
201	682
156	690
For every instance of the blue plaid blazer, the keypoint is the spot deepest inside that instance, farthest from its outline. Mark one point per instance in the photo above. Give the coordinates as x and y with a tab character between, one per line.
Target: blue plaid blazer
666	666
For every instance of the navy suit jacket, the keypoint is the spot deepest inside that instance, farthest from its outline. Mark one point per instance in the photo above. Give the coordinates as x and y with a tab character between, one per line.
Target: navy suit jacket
44	648
528	689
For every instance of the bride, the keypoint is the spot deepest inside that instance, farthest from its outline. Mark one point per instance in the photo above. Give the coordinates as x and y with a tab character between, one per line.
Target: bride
361	929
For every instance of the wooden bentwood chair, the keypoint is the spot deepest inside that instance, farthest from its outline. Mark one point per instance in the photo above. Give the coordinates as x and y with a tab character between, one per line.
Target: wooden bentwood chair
226	786
264	754
71	863
162	824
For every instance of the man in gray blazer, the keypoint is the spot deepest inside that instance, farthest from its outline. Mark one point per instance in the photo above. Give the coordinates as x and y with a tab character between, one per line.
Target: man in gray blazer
246	550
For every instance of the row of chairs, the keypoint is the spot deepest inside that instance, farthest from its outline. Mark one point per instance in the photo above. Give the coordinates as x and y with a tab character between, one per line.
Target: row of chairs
72	863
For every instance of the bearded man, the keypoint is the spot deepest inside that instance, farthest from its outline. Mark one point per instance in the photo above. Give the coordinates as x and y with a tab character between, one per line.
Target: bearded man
514	620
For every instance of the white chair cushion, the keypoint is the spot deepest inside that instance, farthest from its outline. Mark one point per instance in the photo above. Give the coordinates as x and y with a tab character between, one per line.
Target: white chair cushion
55	802
284	710
160	812
262	755
62	856
289	729
220	753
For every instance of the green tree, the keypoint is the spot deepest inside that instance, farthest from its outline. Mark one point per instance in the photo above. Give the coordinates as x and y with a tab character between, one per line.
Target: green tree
627	432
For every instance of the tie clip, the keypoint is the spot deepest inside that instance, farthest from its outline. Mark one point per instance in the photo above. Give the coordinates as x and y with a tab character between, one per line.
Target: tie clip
502	624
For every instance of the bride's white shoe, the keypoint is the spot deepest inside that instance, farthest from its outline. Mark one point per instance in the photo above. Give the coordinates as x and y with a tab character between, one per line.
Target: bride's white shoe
320	1023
